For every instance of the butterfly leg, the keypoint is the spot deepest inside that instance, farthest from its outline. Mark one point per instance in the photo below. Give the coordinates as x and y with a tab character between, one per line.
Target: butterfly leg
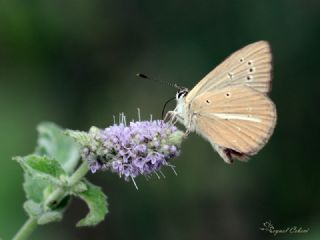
188	125
168	116
172	117
186	133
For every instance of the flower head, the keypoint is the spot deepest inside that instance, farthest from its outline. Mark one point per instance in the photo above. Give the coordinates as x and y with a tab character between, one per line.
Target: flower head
139	148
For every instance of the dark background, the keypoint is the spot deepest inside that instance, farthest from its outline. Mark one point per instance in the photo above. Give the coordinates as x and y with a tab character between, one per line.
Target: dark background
74	63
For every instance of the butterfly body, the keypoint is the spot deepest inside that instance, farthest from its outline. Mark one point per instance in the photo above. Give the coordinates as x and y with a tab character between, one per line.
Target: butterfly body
229	107
181	112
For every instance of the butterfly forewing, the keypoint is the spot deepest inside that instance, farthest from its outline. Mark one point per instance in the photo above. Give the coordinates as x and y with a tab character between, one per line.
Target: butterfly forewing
236	118
249	66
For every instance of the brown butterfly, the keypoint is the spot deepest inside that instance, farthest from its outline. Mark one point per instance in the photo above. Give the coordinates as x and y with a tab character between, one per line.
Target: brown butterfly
229	106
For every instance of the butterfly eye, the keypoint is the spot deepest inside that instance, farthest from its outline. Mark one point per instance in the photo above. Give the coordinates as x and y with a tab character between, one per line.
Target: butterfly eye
180	94
228	94
250	63
249	78
208	101
251	70
241	60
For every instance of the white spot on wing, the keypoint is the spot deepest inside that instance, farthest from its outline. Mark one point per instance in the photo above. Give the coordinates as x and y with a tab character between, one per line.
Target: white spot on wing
230	116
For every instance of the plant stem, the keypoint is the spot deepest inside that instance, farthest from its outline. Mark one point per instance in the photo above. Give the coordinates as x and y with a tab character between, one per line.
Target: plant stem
54	197
27	228
59	193
79	174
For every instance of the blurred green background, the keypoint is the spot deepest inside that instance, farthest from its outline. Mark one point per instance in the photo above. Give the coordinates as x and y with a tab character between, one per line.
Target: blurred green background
74	63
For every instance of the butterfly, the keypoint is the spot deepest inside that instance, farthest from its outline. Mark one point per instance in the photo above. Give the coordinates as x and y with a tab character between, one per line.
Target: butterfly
230	107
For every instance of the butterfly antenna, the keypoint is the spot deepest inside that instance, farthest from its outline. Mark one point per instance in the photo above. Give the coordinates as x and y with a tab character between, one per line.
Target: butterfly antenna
159	81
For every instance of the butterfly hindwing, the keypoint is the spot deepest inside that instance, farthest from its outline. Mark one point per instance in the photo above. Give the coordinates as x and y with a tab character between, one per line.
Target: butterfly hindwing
237	120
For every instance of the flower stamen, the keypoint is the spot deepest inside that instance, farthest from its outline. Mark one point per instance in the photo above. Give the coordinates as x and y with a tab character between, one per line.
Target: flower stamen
139	148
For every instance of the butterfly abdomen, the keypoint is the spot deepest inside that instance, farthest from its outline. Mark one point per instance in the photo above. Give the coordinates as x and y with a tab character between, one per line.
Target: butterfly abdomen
233	154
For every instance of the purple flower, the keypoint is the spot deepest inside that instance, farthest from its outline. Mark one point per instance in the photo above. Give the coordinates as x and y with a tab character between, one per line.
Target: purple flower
140	148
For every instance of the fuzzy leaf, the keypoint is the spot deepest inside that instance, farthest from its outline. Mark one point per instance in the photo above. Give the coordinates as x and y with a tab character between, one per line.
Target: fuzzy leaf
48	217
54	143
80	187
35	187
32	208
83	138
97	203
42	167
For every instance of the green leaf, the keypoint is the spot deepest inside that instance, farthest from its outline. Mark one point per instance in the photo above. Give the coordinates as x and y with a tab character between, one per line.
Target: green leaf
32	208
48	217
38	185
42	167
79	187
97	203
83	138
54	143
35	188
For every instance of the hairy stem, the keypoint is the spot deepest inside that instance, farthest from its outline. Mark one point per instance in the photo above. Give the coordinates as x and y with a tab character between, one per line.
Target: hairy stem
27	228
79	174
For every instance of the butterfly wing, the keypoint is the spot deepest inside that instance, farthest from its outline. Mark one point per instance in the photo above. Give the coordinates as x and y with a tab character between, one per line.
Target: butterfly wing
237	120
250	66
